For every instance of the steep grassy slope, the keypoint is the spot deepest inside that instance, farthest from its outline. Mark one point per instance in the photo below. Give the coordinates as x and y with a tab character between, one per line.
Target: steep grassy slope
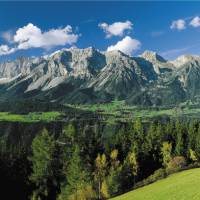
181	186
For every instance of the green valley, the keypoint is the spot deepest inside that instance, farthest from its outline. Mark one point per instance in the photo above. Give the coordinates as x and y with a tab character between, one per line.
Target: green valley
30	117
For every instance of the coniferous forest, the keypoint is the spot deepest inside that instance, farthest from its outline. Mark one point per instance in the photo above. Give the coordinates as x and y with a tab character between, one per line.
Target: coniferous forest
99	100
91	160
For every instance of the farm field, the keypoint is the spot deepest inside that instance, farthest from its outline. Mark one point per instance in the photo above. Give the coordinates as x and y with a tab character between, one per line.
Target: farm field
112	112
121	111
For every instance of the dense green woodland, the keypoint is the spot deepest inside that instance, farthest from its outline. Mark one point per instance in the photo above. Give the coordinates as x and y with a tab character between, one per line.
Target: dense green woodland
84	161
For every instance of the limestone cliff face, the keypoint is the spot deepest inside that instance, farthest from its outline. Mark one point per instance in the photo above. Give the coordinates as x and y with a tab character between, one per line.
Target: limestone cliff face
90	75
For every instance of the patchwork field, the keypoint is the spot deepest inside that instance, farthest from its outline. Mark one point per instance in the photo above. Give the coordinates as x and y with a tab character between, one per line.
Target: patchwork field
111	112
118	110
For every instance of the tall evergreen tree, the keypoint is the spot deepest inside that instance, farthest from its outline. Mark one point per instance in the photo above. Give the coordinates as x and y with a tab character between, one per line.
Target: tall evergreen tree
197	143
100	172
192	131
77	179
129	170
166	151
65	144
42	158
137	135
113	178
178	138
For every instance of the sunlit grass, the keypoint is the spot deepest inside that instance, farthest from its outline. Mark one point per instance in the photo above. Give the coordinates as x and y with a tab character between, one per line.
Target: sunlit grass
180	186
114	111
31	117
123	112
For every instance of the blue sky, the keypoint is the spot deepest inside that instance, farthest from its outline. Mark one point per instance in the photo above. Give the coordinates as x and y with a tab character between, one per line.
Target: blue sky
153	25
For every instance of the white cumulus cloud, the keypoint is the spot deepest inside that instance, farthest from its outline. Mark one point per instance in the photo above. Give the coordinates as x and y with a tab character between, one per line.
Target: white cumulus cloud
195	22
31	36
178	24
5	50
116	29
127	45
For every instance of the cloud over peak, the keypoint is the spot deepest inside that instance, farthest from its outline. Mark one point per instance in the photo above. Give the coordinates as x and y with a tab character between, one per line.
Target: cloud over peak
31	36
116	29
127	45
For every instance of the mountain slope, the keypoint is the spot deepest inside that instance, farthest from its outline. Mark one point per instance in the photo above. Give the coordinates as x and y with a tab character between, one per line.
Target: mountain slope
90	76
120	76
183	185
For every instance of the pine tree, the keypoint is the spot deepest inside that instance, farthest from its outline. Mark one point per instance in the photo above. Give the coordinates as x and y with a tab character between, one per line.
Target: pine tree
150	139
166	153
42	157
197	143
179	139
129	170
104	190
69	133
77	179
137	135
100	172
113	179
65	144
132	162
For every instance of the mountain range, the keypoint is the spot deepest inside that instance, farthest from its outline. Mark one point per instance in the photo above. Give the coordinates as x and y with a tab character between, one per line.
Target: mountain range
91	76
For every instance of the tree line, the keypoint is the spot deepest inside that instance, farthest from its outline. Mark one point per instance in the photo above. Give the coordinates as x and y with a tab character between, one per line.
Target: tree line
84	165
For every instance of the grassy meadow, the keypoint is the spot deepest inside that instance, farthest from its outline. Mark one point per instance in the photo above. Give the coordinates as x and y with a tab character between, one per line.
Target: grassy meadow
30	117
112	112
184	185
121	111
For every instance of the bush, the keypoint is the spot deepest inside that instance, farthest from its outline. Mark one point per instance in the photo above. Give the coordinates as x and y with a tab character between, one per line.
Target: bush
176	163
157	175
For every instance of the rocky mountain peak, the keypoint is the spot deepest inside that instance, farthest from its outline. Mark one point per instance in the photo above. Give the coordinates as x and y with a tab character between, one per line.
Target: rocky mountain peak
181	60
115	53
118	58
152	56
102	76
159	64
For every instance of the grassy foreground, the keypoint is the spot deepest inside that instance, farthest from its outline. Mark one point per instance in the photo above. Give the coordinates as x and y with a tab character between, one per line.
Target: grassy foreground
181	186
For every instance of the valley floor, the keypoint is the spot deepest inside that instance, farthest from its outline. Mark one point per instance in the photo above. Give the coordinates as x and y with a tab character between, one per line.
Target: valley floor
30	117
181	186
119	110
